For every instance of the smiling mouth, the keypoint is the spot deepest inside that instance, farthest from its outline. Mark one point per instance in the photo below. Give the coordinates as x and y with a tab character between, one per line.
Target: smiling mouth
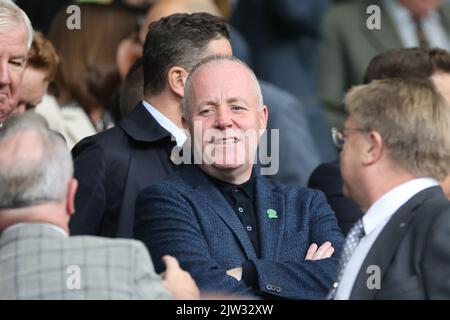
225	141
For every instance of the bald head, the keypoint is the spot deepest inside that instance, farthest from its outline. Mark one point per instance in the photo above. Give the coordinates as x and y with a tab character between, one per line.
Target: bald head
35	164
253	83
24	148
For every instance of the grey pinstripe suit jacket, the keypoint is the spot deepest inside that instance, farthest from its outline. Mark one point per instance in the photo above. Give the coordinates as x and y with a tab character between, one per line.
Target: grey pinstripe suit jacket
38	262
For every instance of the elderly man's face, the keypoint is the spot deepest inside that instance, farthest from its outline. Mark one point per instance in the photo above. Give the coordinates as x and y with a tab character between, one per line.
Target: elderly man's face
226	118
13	51
351	160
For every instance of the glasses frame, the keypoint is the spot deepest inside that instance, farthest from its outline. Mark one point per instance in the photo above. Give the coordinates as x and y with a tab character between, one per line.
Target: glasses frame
339	136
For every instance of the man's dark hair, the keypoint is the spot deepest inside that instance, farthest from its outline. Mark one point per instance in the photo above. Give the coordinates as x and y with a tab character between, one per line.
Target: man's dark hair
178	40
407	63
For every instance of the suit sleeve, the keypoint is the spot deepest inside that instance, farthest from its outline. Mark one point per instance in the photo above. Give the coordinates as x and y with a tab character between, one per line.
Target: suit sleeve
166	223
90	199
146	283
305	279
436	261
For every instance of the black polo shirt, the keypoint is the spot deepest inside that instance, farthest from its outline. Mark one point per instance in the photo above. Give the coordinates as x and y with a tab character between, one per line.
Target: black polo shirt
242	199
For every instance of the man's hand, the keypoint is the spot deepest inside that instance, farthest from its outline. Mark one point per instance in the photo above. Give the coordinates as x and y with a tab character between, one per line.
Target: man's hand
179	282
235	273
314	253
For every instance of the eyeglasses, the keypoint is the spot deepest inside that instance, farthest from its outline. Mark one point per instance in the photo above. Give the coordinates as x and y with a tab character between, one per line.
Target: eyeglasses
339	136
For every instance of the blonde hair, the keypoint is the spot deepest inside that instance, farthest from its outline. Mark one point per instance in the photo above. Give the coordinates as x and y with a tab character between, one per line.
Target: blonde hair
413	120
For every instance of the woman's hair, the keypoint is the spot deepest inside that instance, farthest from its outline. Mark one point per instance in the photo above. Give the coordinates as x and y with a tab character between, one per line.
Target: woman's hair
42	56
88	72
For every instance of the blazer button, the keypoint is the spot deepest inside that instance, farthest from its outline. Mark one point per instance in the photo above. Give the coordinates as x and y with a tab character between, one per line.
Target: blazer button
278	289
269	287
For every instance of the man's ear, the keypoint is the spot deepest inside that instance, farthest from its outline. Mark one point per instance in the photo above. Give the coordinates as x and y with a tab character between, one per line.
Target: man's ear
373	149
70	198
176	79
263	116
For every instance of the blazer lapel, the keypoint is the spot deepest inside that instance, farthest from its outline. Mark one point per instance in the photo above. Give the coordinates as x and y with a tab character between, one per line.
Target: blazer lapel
215	200
386	244
270	215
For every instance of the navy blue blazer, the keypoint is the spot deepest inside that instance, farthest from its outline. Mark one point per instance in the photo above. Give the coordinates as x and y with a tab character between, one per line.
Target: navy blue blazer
112	167
186	216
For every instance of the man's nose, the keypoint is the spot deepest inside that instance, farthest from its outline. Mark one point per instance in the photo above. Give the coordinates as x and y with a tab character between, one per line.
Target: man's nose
223	119
5	78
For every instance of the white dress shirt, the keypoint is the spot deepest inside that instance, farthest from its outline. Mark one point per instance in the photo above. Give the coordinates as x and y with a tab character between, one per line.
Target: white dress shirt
374	221
435	32
164	122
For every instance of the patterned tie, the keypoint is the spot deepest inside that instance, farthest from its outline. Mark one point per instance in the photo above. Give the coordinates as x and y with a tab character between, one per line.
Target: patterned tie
420	33
351	242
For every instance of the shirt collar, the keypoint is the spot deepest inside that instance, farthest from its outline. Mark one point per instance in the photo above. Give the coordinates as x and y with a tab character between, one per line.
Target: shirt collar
164	122
225	187
47	225
402	14
391	201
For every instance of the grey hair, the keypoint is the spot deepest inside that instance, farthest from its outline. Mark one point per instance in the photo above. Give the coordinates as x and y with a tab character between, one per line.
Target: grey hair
216	59
29	176
11	16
